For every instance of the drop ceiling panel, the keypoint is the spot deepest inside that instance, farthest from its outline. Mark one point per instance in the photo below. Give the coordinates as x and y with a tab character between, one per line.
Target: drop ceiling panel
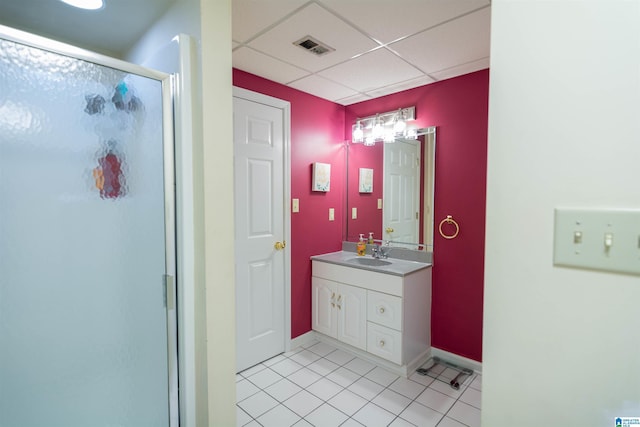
353	99
459	70
461	41
372	70
409	84
254	62
321	25
323	88
252	16
408	16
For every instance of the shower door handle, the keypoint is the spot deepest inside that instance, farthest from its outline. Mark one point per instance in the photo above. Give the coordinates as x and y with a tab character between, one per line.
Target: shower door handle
168	291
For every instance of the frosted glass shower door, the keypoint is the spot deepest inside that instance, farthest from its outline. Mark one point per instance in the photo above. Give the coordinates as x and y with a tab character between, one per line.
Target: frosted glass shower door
83	316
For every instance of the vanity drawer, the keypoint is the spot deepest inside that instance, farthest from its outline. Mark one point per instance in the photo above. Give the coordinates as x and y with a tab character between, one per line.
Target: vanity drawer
384	342
384	309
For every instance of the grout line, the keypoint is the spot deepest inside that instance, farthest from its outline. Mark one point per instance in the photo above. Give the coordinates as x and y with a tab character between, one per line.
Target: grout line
467	385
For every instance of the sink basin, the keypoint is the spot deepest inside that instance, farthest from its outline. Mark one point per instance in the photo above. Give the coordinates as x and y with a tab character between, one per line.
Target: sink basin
372	262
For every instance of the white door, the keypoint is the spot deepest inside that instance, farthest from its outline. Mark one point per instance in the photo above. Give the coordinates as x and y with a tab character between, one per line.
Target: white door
352	311
259	134
401	213
323	312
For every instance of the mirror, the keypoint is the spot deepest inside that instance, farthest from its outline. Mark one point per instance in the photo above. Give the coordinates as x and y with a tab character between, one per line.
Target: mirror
390	190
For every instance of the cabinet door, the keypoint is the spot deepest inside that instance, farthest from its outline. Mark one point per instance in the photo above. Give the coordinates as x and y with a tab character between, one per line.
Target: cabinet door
351	304
323	312
384	342
384	309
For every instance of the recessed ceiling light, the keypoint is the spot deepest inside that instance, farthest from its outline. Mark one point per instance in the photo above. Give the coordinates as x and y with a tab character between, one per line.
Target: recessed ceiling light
86	4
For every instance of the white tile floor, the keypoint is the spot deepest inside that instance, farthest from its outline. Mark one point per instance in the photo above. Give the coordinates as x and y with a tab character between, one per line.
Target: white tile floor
318	385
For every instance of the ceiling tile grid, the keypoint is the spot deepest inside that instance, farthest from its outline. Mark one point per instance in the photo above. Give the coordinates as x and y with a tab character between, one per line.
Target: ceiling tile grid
390	20
321	25
460	41
255	62
372	70
381	46
319	86
251	17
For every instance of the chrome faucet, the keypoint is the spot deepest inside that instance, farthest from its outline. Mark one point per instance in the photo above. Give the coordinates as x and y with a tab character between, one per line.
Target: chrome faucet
375	251
383	251
378	251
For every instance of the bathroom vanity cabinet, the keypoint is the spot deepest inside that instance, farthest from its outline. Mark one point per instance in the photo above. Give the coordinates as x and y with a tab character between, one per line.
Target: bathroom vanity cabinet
382	315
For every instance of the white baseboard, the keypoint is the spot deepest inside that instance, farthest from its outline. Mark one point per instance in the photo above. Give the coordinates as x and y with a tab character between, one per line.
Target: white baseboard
301	340
457	360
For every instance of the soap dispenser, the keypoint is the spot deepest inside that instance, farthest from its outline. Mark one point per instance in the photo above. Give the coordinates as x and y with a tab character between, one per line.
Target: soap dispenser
370	241
361	247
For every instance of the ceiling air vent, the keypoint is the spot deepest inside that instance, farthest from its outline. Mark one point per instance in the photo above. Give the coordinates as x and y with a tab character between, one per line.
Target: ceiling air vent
312	45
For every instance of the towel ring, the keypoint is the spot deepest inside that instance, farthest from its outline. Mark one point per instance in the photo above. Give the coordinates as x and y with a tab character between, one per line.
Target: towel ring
449	220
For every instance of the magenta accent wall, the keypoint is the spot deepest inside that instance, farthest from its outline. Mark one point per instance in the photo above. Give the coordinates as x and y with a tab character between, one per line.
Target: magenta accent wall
459	108
317	135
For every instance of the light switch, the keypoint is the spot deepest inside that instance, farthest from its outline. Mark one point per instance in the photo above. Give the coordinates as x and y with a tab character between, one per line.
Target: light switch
598	239
295	205
332	214
354	213
379	203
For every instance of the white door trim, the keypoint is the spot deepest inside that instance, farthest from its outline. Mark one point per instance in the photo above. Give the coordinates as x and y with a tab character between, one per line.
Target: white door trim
285	106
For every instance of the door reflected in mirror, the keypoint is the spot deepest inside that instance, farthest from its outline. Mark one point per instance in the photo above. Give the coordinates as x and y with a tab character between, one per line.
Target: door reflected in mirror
399	207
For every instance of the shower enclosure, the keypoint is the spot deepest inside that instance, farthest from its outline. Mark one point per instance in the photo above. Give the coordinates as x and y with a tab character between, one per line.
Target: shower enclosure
87	253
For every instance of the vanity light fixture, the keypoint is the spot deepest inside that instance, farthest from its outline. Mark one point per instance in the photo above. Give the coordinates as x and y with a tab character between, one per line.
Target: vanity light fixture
358	133
85	4
378	129
385	127
400	123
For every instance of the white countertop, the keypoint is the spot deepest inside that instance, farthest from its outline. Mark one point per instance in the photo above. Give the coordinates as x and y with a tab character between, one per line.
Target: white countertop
396	267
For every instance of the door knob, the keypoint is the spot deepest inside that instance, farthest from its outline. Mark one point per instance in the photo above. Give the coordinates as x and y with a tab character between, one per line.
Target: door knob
389	230
280	245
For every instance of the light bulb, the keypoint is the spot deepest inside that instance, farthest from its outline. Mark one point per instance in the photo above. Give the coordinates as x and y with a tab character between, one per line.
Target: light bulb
400	124
358	133
378	131
389	136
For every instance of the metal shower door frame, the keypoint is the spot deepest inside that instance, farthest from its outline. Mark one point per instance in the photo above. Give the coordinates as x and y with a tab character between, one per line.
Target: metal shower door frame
167	82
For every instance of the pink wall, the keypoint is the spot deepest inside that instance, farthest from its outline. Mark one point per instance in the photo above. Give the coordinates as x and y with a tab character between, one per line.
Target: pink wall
317	135
459	108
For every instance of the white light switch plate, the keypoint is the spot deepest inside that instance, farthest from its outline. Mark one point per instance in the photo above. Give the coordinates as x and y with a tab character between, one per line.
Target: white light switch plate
354	213
295	205
332	214
379	203
598	239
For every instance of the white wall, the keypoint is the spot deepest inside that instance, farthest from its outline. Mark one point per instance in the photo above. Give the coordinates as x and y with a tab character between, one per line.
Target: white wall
217	155
561	345
205	199
151	50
